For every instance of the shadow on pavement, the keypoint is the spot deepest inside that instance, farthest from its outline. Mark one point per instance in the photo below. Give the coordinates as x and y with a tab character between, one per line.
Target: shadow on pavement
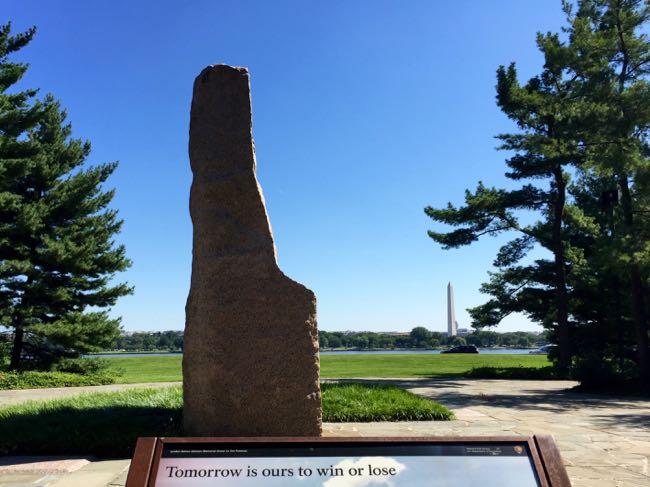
524	396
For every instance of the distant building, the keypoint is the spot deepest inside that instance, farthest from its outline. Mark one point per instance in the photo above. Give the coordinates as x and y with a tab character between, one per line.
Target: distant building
462	332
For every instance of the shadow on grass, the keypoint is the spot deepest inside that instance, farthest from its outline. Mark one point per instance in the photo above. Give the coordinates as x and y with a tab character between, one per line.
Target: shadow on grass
108	424
515	373
489	372
403	383
103	431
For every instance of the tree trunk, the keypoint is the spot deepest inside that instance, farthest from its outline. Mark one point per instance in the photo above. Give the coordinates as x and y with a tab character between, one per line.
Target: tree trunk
640	324
561	295
17	348
636	287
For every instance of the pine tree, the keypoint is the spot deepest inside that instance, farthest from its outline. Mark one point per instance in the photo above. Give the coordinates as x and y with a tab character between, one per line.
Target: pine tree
587	114
611	64
57	255
546	144
622	143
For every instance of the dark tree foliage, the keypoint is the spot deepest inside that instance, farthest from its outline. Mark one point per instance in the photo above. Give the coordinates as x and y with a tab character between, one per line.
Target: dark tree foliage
57	255
618	148
421	337
171	341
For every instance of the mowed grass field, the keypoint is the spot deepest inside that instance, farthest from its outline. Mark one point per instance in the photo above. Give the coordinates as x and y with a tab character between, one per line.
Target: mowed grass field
168	368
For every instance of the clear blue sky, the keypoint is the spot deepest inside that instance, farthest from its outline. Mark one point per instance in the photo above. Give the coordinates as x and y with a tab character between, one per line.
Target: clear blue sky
364	112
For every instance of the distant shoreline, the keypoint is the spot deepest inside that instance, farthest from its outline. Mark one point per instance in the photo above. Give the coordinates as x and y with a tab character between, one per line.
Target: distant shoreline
325	350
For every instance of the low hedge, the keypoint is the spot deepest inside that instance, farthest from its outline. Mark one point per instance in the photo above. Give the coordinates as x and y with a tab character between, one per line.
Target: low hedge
516	373
37	380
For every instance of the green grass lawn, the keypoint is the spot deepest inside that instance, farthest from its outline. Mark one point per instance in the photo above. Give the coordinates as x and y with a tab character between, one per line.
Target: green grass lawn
168	368
107	424
147	368
420	365
362	403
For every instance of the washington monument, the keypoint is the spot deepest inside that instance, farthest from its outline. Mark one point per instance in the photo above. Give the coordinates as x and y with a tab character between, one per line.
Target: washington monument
452	325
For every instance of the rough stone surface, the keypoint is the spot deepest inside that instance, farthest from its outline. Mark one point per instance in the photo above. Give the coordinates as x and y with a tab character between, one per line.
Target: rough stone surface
250	363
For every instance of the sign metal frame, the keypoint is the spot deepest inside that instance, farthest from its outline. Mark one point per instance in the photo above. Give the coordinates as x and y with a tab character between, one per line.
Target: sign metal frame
544	454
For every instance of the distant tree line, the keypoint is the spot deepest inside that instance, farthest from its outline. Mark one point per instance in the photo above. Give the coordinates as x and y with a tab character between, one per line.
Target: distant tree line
420	337
167	341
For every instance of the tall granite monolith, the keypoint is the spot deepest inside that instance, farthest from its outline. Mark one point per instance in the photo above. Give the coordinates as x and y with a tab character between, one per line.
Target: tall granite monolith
250	362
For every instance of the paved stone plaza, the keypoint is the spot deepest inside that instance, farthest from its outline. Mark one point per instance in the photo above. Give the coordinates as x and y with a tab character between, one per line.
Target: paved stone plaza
605	441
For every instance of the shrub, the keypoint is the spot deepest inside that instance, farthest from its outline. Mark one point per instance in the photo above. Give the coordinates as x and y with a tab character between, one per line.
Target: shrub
5	351
35	380
596	371
83	366
516	373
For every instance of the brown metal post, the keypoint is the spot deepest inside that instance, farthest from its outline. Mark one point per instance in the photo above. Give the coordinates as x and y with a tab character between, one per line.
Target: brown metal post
143	457
552	461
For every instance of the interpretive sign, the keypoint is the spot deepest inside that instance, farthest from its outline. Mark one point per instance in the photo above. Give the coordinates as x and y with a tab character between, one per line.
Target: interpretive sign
511	461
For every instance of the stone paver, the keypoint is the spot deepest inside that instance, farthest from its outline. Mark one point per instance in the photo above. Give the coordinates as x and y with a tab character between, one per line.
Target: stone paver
96	474
604	441
53	465
37	471
57	472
